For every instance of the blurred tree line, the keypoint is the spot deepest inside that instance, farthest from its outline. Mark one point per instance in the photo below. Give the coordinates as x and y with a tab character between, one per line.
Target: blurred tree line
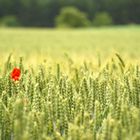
44	12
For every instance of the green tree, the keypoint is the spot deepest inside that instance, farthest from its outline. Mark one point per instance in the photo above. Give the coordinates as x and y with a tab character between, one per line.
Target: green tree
102	19
72	17
9	21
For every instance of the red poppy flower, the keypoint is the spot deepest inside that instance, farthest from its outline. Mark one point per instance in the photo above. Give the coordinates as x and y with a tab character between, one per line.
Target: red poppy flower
15	74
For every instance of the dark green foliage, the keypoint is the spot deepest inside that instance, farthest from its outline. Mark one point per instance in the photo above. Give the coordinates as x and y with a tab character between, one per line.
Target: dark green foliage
71	17
9	21
102	19
43	12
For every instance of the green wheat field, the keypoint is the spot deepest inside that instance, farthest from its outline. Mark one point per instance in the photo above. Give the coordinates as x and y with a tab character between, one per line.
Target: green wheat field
81	84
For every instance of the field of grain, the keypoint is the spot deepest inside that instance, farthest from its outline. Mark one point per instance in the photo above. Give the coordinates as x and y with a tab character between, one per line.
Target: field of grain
80	43
79	84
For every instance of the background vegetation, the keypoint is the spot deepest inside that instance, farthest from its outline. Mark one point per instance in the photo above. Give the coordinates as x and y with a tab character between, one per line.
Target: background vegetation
44	12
